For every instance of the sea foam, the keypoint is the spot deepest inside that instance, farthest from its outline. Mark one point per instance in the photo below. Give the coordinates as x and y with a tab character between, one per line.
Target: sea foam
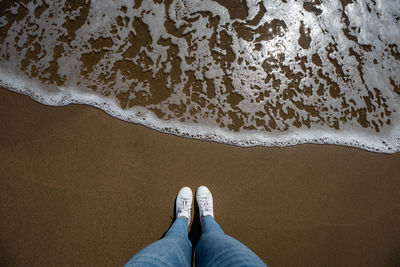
271	73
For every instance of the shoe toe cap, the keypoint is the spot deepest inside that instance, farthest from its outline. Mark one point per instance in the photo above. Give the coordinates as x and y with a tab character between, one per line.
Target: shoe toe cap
185	192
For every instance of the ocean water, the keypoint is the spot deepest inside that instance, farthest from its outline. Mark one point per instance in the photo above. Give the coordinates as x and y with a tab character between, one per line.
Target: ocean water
270	73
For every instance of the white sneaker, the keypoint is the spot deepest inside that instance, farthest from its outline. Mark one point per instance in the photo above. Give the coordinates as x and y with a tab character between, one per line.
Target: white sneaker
205	201
183	203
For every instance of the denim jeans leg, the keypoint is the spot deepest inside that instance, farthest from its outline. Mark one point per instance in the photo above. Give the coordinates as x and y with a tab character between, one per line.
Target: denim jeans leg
174	249
218	249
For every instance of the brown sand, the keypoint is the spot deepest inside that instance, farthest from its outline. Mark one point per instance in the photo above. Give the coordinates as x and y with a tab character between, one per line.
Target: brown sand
80	188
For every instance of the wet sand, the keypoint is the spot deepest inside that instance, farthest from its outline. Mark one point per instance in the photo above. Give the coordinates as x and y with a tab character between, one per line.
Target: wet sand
80	188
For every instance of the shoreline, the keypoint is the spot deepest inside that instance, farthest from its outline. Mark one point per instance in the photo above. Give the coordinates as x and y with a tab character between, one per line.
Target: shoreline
141	116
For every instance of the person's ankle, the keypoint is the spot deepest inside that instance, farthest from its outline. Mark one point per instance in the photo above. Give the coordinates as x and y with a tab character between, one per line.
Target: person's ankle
205	216
184	217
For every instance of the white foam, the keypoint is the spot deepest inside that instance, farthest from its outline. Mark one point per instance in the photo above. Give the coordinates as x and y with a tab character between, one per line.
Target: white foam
379	69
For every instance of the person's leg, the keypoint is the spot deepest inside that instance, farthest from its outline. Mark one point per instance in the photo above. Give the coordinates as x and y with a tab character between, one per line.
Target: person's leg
174	249
215	248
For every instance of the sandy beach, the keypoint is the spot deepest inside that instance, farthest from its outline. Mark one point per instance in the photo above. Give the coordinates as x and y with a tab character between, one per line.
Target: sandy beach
80	188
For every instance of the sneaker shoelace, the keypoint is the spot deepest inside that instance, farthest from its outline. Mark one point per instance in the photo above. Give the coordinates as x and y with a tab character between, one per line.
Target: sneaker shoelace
204	205
183	205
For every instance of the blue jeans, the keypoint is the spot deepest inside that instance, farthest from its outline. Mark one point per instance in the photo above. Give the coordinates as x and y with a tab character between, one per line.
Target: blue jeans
215	248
